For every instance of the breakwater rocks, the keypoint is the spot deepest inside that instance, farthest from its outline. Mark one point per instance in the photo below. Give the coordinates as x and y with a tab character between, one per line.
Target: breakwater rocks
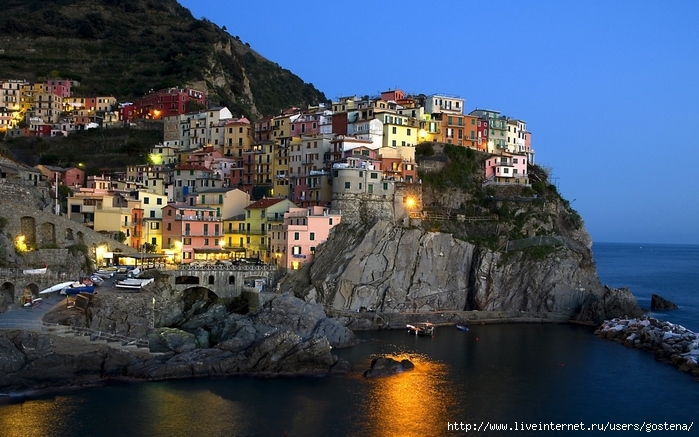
669	343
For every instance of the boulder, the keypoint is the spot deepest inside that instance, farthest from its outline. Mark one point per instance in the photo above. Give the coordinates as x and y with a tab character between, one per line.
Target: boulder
387	366
659	303
613	303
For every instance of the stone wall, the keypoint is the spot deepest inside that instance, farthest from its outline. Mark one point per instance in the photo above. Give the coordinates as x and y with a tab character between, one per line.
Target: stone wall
370	208
49	230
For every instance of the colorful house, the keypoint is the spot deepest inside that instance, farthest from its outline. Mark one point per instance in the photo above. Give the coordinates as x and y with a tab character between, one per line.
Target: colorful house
259	217
193	230
294	241
506	169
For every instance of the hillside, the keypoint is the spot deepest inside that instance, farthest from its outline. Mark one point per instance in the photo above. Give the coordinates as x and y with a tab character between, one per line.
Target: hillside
127	47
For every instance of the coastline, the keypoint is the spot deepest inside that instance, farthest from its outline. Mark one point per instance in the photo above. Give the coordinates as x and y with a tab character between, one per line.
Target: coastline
370	320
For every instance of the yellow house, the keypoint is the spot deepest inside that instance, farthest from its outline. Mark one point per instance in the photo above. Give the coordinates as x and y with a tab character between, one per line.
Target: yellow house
235	238
280	168
259	217
227	202
397	130
237	136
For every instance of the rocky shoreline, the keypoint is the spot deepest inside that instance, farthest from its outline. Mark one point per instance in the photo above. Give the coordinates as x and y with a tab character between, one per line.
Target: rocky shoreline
670	343
286	337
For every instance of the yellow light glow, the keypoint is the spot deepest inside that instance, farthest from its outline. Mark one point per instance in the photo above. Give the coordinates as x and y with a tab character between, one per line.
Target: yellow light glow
410	202
155	159
20	244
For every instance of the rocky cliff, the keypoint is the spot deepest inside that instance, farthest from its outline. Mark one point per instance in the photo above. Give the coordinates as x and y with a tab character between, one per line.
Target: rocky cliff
394	269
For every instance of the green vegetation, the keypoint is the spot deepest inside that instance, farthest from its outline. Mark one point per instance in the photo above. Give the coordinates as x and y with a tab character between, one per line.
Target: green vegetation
125	48
491	215
96	149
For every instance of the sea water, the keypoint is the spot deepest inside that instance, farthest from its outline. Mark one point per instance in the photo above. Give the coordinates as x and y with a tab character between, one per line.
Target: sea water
514	377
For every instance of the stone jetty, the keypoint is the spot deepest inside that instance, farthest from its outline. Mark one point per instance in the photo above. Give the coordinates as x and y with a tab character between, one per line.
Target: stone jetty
669	343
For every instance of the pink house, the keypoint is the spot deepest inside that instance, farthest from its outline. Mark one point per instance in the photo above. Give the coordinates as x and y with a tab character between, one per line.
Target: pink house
294	242
305	124
192	233
74	176
60	87
506	169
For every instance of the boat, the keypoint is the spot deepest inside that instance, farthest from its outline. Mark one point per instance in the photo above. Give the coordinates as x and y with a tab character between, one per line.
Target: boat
96	280
57	287
133	284
105	273
461	327
426	328
40	271
76	288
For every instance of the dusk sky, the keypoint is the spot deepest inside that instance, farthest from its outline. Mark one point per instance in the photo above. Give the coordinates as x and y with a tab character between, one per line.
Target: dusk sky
607	88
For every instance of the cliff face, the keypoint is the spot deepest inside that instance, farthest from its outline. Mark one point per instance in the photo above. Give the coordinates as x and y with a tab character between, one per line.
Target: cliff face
394	269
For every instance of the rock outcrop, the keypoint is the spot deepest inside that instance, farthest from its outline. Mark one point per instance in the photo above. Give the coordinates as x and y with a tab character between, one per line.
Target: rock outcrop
387	366
669	343
285	337
394	269
660	303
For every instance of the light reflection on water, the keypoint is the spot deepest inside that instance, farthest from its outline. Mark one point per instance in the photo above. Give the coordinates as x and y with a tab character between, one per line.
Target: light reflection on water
38	418
416	402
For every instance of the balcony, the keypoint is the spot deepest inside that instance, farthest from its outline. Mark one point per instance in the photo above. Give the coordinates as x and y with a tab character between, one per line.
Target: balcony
197	218
202	234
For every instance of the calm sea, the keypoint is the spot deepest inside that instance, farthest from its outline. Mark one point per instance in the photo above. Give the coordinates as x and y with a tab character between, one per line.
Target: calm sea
511	375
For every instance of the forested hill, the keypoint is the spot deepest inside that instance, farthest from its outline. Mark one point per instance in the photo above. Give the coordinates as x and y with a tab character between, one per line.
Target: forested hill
125	48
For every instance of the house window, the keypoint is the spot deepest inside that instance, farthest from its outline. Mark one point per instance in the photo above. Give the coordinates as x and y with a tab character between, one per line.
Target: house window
393	129
330	221
313	250
296	236
146	200
159	201
385	186
312	236
296	250
347	185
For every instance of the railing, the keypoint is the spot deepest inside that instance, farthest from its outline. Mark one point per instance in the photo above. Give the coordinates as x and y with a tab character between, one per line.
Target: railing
39	326
198	218
203	234
208	267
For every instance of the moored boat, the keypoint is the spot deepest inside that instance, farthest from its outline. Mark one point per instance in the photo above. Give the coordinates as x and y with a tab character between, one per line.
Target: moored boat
76	288
133	284
105	273
421	329
461	327
57	287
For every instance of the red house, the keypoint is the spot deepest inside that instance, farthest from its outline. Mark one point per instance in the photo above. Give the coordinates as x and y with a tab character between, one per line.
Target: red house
167	102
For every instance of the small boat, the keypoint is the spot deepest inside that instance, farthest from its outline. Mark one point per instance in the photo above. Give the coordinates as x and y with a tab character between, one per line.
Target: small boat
133	284
105	273
96	280
461	327
40	271
421	329
57	287
76	288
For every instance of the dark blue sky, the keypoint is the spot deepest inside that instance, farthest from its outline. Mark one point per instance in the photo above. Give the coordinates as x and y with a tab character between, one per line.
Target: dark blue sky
609	89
